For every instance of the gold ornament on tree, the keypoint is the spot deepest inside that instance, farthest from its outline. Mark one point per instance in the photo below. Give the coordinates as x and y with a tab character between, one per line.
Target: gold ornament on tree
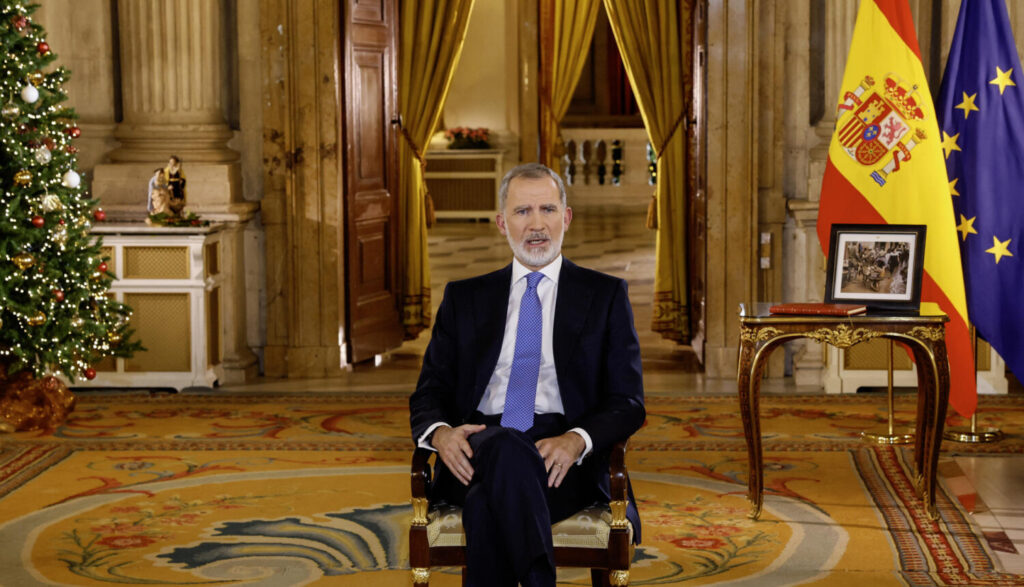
37	320
10	111
77	322
114	337
23	177
60	234
24	260
36	78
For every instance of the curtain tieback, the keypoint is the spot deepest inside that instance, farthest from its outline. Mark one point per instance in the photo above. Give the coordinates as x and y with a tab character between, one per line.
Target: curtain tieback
416	151
671	134
652	207
428	202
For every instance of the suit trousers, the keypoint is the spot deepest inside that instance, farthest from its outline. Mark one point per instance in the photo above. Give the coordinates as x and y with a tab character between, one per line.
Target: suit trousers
508	507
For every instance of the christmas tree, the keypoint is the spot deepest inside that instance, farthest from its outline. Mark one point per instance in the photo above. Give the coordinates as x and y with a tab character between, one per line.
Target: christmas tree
55	314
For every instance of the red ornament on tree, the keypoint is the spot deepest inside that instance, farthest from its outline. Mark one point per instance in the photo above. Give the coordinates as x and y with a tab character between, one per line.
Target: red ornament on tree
58	295
74	132
20	22
43	47
99	215
38	221
90	373
50	144
102	267
71	149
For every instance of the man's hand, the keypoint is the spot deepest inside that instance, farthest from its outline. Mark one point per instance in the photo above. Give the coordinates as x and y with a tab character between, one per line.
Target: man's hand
454	449
559	453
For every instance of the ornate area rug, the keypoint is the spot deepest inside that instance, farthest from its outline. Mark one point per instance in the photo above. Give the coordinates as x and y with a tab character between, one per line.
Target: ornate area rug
289	489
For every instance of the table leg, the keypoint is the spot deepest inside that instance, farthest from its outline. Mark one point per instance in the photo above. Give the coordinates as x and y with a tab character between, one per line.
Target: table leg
933	398
941	395
925	414
749	384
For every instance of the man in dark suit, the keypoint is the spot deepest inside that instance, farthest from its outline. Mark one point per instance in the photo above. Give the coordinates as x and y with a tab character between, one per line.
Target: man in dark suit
531	375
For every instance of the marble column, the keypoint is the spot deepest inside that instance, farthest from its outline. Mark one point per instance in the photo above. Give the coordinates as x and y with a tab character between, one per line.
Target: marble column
806	261
732	183
172	79
171	66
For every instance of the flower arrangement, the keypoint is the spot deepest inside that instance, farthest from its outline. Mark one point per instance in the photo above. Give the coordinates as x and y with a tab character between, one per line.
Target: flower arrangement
462	137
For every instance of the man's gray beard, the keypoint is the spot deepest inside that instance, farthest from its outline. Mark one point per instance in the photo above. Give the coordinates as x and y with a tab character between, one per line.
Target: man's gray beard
536	258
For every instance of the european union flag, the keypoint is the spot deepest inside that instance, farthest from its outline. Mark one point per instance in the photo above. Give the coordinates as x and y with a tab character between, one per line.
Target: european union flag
981	115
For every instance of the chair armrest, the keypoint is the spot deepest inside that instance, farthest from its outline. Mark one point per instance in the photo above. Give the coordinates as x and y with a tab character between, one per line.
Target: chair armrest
420	471
617	471
619	480
420	478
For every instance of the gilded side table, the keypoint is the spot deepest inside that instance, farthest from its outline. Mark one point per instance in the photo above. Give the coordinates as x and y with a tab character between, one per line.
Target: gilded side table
762	332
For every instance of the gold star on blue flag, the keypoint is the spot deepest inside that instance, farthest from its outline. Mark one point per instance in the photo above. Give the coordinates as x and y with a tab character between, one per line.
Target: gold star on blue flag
989	171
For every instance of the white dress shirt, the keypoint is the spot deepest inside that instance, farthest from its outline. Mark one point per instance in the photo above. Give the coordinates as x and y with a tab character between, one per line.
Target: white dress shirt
549	399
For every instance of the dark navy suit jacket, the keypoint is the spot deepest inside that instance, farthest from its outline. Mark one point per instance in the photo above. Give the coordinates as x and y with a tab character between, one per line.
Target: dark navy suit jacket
596	352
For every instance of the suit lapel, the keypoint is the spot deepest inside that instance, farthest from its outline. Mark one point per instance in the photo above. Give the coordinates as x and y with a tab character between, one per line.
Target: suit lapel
490	307
571	309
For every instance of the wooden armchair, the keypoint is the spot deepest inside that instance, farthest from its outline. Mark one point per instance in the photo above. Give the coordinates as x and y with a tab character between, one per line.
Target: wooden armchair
599	537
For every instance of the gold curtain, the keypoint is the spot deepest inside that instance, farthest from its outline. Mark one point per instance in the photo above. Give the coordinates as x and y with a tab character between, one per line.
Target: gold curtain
433	32
654	38
566	28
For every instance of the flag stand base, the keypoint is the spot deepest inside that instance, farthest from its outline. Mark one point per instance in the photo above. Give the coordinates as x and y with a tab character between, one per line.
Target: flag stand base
973	434
890	437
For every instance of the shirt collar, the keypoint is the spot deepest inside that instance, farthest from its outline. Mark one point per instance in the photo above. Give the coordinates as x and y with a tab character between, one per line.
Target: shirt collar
551	271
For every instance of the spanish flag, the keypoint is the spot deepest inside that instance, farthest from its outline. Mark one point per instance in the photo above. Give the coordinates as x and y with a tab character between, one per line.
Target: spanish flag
886	166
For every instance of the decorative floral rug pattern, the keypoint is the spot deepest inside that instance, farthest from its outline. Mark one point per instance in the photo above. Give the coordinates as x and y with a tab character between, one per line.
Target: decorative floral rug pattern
258	489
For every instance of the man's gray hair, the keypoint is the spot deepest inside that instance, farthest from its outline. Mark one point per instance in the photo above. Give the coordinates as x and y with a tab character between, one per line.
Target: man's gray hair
529	171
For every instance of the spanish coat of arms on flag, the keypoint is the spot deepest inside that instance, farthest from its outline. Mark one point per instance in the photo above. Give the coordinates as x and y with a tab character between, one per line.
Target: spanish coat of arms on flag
885	166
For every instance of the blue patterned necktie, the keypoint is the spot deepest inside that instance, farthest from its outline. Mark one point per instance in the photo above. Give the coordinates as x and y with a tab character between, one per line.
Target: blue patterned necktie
521	395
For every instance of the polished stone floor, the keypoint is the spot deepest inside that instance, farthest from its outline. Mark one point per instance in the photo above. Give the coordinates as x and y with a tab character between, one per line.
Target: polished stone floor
610	236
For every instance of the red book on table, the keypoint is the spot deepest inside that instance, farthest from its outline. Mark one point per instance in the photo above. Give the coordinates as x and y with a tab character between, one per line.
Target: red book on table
818	309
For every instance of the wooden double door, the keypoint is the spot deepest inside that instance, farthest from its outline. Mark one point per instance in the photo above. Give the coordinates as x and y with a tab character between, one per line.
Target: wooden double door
369	107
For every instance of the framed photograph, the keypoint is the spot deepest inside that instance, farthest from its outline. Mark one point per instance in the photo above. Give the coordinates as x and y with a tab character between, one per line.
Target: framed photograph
878	265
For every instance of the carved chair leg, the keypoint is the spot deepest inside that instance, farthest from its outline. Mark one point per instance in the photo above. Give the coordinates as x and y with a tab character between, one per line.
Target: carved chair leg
420	577
618	578
599	577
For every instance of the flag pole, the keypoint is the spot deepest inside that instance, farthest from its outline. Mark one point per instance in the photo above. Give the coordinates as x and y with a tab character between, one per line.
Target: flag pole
973	434
892	437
